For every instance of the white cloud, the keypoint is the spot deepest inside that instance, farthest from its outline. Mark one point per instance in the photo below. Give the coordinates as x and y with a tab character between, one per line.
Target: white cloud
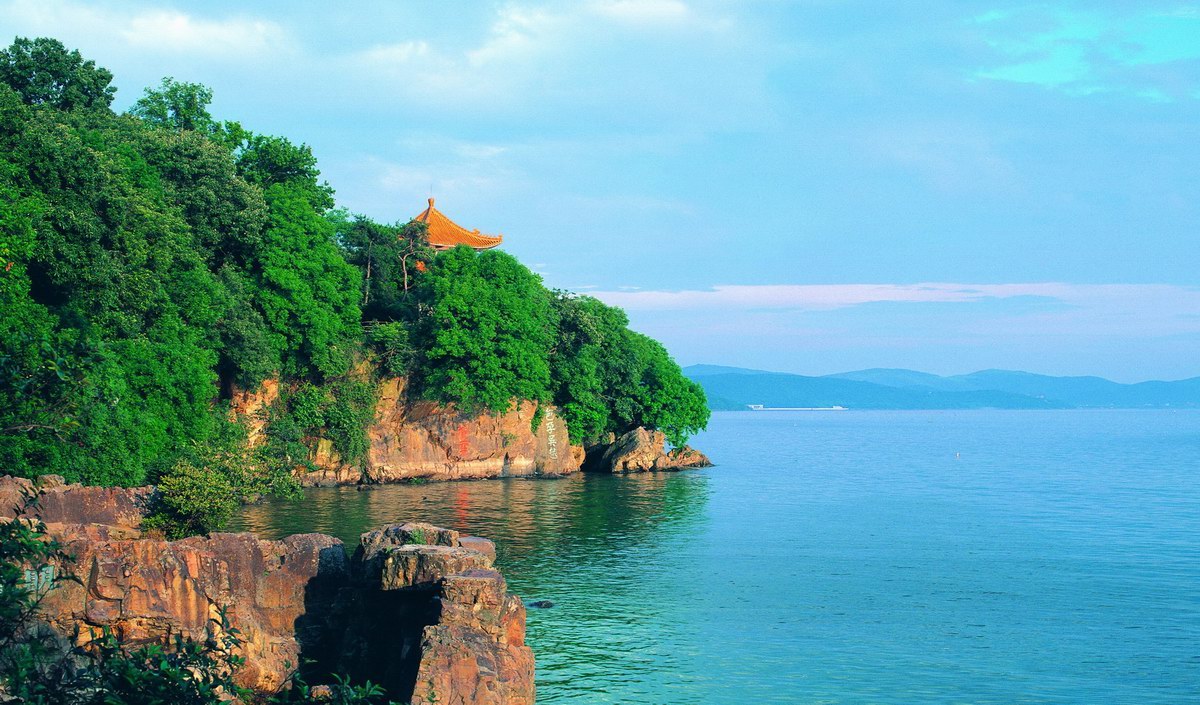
643	12
518	34
165	32
1115	299
176	32
562	60
1117	330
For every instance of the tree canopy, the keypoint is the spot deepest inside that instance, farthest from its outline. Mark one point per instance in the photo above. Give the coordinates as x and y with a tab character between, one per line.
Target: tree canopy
152	261
43	72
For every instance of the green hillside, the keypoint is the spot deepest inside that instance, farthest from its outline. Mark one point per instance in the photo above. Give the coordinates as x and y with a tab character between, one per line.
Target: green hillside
153	261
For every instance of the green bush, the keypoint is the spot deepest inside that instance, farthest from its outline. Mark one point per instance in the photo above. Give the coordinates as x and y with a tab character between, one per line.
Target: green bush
307	406
192	500
347	415
391	345
339	410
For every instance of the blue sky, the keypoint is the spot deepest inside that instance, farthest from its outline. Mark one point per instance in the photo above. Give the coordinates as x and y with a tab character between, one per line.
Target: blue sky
810	186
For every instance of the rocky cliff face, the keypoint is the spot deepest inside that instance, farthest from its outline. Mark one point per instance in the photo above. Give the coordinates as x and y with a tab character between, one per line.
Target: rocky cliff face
76	511
419	439
418	609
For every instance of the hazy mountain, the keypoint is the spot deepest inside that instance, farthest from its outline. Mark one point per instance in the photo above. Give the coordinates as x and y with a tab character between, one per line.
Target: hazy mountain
905	379
735	388
707	370
1088	391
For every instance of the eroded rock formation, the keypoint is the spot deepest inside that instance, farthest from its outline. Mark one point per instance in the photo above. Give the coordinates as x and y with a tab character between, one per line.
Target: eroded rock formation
77	511
420	439
641	450
417	608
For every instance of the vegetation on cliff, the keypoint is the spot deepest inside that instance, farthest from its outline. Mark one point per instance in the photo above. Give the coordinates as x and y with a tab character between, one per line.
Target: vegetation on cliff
152	261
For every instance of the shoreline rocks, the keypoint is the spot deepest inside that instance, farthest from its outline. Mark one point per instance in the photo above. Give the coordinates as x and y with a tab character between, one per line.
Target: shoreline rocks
641	450
413	440
417	608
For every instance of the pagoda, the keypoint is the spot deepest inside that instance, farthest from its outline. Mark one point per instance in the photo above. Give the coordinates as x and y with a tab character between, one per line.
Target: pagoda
445	233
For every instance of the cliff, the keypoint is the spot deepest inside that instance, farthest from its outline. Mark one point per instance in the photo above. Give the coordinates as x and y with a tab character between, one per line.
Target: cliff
417	608
422	439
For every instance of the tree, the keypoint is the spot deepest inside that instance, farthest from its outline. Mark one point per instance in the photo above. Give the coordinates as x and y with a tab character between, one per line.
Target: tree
176	105
266	161
485	332
609	379
43	72
389	257
307	292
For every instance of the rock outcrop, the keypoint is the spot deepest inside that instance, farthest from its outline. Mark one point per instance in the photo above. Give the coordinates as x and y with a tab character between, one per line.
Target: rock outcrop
78	510
468	631
641	450
417	608
424	440
276	593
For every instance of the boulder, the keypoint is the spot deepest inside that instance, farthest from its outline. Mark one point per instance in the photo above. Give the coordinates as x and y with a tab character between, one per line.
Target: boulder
641	450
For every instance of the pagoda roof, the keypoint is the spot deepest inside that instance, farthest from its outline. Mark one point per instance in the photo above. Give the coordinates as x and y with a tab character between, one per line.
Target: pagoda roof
445	233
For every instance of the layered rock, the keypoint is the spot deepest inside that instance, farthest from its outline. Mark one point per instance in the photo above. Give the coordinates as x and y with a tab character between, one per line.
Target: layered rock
460	619
424	440
418	608
77	510
275	593
641	450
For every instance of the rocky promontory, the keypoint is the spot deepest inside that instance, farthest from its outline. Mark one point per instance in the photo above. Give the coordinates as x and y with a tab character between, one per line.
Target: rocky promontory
641	450
413	439
416	608
422	440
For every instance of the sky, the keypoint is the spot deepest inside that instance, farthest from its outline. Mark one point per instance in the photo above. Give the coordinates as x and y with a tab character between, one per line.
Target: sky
810	186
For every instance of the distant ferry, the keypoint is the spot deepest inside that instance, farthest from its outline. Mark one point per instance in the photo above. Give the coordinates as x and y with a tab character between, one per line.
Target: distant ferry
760	407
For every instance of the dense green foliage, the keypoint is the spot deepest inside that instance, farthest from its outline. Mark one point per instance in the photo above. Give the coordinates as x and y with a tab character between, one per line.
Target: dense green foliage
389	257
611	379
151	262
487	335
339	411
145	261
43	72
491	333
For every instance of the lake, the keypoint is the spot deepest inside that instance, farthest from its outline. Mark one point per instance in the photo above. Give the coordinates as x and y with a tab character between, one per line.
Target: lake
849	557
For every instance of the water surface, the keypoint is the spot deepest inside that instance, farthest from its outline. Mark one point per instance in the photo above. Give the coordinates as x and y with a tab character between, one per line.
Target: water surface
849	557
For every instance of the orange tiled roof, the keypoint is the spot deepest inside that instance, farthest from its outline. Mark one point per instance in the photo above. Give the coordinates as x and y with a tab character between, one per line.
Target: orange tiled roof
445	233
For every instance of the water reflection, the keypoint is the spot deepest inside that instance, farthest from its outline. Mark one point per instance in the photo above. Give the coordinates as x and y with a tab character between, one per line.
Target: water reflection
524	517
594	545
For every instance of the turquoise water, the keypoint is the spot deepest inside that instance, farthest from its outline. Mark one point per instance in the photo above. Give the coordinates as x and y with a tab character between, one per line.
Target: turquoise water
850	557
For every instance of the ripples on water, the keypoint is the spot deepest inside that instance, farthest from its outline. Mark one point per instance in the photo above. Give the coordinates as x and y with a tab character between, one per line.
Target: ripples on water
849	557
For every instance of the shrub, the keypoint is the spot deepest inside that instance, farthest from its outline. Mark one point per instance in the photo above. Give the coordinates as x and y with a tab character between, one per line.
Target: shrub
192	500
347	417
390	342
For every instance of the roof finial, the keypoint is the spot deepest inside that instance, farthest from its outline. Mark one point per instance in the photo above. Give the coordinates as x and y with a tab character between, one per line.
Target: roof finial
431	201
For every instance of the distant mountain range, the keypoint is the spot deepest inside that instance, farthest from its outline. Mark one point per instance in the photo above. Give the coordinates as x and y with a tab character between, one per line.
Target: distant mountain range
736	388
